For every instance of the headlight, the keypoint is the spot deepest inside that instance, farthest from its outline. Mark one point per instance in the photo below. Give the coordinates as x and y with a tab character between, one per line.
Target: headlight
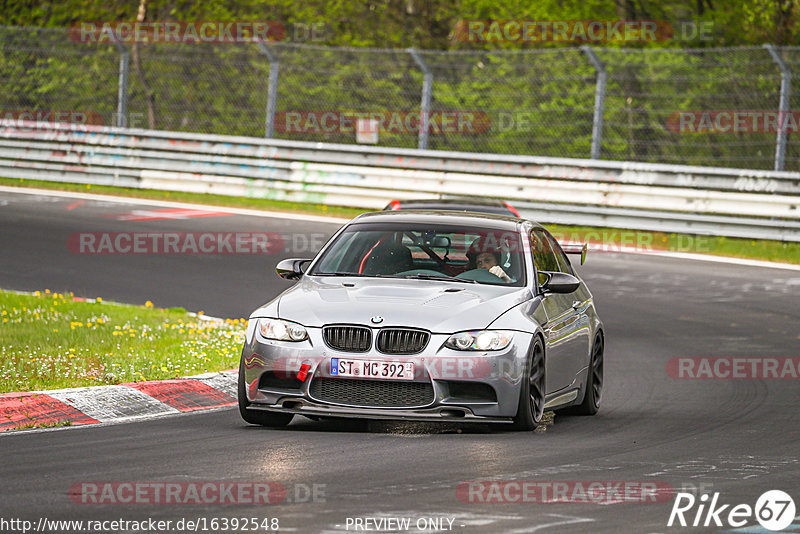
479	340
282	330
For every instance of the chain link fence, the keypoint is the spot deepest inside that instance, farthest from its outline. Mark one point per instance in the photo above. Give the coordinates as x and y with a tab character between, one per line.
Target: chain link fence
652	105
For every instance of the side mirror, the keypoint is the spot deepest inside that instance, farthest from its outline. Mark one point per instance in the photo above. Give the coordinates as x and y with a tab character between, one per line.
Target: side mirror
559	282
291	269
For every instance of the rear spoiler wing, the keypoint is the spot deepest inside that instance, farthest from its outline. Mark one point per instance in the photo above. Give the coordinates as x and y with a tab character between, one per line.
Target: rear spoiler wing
577	249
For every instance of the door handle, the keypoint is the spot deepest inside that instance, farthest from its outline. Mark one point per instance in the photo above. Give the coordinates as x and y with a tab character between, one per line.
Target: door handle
576	304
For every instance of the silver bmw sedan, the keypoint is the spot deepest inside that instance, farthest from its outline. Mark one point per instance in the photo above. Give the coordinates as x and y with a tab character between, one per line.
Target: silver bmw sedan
426	316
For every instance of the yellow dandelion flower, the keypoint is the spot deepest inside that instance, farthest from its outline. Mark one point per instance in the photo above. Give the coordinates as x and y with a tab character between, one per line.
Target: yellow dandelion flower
148	304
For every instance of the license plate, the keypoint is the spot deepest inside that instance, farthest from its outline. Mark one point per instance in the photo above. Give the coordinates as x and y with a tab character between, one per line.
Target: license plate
372	369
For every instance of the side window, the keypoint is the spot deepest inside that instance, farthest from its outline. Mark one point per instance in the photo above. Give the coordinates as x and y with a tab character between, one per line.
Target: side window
543	256
563	263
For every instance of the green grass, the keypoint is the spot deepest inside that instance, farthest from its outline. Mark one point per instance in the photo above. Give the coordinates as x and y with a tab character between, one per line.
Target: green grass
37	424
51	341
777	251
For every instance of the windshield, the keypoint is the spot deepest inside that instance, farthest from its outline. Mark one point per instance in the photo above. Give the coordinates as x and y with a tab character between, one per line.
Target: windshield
429	251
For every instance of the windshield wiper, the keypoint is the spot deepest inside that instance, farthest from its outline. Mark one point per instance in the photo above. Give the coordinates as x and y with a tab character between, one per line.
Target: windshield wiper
358	275
443	277
419	276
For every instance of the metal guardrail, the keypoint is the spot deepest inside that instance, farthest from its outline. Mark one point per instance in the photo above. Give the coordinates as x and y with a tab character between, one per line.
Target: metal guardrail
670	198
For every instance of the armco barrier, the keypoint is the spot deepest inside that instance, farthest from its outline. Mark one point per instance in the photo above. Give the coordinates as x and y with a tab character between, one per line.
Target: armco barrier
700	200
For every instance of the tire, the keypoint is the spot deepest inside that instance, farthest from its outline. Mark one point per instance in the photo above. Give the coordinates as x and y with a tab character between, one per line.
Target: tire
258	417
532	391
594	383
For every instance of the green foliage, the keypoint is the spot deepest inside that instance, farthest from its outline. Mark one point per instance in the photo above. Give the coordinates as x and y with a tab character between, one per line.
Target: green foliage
430	23
538	97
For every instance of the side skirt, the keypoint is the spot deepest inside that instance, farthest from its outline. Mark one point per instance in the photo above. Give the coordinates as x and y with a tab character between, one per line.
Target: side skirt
562	399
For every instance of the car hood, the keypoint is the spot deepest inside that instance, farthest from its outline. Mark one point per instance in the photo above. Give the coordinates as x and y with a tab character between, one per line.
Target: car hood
440	307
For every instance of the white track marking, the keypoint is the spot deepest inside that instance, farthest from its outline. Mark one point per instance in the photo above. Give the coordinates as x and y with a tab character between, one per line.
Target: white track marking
111	403
225	382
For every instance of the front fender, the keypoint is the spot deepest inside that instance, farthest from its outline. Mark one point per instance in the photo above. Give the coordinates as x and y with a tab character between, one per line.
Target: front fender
527	316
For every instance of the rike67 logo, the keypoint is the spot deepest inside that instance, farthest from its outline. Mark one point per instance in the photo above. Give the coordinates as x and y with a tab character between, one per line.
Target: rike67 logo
774	510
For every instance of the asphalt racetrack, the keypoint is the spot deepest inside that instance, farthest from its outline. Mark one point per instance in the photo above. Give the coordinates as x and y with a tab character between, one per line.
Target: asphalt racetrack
735	437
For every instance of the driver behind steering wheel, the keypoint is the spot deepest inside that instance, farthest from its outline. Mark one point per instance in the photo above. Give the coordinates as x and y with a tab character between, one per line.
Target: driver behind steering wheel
482	256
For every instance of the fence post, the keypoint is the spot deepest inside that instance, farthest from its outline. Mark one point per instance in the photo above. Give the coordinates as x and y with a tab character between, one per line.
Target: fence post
272	89
599	101
425	103
122	88
783	107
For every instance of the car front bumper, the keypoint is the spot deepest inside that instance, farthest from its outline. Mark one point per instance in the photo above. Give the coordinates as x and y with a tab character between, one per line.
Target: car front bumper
466	386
